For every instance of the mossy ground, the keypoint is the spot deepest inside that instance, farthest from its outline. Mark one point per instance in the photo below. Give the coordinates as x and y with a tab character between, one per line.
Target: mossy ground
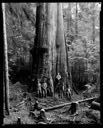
57	116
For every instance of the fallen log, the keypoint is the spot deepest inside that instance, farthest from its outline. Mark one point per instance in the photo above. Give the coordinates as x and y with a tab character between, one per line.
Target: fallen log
66	104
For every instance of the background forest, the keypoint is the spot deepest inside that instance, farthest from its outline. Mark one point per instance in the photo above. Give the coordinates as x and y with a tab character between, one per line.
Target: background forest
82	30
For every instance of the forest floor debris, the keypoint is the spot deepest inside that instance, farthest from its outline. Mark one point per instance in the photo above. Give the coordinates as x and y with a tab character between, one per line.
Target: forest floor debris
57	116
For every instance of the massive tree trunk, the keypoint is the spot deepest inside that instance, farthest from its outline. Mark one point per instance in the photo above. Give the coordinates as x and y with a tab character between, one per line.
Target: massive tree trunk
60	44
49	49
45	49
41	47
52	29
5	73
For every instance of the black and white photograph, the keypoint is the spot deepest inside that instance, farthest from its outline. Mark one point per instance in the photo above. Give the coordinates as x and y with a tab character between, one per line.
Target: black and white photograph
51	63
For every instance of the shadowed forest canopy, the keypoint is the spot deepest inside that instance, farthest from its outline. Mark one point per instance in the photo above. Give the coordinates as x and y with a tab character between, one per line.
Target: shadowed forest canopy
80	25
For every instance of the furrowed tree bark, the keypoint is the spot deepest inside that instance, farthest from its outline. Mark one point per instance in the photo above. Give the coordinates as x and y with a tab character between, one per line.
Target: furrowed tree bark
51	28
44	51
51	34
41	46
6	78
60	44
49	52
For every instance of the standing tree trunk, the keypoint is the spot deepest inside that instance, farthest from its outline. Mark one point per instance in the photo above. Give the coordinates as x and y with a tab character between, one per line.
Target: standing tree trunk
6	78
41	47
60	43
69	28
49	51
51	35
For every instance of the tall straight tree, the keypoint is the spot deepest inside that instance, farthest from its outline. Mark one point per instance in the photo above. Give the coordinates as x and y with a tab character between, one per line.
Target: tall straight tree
43	57
60	43
51	36
49	52
69	28
5	75
41	43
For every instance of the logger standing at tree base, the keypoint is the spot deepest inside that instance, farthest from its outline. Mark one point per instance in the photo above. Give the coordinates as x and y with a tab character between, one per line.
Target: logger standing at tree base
68	93
44	88
39	88
58	77
50	87
58	84
57	80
